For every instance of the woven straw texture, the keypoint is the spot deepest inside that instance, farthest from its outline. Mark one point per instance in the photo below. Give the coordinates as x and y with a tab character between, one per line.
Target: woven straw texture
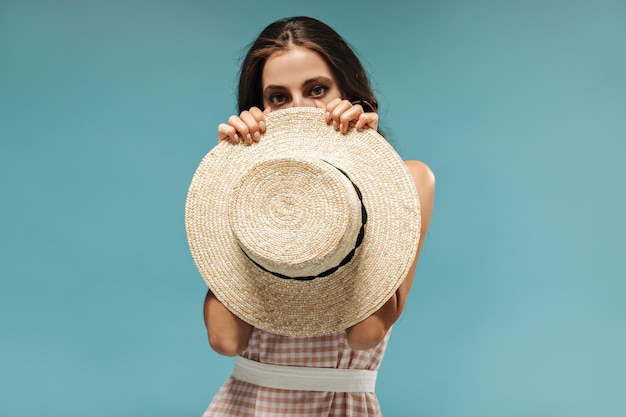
284	201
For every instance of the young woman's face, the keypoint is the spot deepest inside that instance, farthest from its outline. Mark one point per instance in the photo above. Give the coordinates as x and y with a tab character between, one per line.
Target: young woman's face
296	77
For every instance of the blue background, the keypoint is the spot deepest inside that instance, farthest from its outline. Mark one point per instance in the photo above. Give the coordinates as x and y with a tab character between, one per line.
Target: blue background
107	107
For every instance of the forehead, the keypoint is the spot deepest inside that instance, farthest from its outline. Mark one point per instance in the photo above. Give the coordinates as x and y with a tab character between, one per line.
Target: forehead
293	66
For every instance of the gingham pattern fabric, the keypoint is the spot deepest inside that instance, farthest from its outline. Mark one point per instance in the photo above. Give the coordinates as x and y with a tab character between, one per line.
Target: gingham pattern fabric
240	399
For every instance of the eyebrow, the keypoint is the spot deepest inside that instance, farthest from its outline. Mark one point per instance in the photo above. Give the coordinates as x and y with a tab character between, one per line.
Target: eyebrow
314	80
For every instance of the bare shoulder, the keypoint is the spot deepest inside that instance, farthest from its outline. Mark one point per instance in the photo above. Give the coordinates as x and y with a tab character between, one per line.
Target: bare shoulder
423	176
424	180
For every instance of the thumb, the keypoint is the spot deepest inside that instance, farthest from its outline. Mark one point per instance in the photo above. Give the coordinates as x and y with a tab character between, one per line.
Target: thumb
267	110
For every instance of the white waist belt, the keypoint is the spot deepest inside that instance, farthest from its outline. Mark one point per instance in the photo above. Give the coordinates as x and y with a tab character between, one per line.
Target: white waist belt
304	379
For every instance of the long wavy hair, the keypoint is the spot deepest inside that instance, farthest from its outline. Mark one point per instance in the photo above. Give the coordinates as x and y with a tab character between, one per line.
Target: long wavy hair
312	34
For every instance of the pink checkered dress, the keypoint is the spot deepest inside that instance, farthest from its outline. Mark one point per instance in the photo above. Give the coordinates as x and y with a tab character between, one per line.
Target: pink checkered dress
240	399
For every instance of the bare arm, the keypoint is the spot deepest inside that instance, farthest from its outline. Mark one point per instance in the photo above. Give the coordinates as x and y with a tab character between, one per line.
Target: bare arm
371	331
228	334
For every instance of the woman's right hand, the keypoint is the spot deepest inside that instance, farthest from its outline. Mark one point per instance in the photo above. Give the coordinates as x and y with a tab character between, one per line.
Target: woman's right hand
246	128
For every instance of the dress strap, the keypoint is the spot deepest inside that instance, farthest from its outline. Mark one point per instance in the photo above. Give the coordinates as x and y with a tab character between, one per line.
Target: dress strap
304	378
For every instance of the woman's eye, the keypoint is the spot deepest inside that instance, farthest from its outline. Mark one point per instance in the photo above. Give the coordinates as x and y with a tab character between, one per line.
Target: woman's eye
319	90
277	98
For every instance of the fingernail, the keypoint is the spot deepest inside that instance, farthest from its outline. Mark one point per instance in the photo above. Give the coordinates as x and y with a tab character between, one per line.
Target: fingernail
327	116
262	126
335	125
257	136
249	137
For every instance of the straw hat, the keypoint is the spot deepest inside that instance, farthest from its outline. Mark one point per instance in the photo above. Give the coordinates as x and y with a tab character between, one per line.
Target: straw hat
306	232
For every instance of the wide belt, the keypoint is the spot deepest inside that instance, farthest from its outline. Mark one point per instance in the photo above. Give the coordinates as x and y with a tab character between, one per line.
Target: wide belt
304	378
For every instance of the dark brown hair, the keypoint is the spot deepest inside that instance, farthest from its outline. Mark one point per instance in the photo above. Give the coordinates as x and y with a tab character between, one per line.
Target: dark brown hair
312	34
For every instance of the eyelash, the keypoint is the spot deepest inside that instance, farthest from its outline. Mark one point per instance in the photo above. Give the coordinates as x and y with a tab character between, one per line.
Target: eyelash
319	87
274	97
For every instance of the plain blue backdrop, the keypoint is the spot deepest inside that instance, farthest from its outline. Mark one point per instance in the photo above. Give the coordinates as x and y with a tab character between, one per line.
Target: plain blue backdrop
519	107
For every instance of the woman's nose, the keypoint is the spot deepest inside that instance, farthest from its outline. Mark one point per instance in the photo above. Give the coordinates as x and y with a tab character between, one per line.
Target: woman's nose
301	101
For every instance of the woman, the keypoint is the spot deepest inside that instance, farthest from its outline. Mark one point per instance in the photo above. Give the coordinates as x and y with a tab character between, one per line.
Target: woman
301	62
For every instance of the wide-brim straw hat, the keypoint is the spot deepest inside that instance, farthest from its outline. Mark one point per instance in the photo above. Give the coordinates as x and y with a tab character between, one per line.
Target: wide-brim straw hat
307	232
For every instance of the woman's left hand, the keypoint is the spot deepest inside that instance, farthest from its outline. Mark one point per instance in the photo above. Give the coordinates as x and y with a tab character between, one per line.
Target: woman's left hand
344	115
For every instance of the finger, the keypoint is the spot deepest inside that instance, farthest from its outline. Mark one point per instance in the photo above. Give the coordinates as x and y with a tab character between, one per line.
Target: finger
369	120
227	132
254	130
257	114
350	116
262	124
330	107
240	126
260	118
321	105
337	112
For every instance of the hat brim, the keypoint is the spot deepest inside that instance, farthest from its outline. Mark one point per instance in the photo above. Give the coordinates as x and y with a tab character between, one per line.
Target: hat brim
327	304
